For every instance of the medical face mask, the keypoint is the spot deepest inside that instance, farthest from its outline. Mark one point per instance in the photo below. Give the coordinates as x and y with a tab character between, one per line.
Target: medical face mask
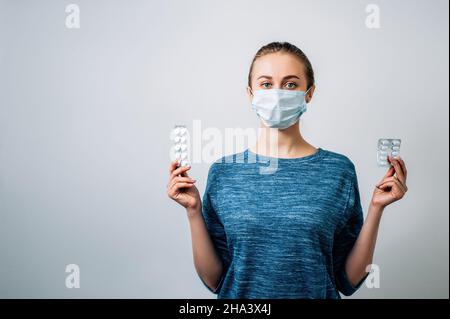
279	108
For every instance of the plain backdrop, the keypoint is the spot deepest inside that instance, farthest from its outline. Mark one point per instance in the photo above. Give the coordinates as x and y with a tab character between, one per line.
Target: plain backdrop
85	116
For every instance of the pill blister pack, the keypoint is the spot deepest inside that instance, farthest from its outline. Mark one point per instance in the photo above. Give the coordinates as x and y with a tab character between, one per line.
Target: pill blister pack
180	150
387	147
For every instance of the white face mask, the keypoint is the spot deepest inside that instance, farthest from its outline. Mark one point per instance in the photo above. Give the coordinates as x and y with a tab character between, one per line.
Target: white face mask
279	108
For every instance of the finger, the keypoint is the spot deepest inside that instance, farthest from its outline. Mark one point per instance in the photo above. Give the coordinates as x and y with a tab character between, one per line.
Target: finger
389	173
179	171
185	173
184	179
398	169
403	165
392	178
178	186
392	183
173	165
387	179
395	180
385	185
179	179
395	189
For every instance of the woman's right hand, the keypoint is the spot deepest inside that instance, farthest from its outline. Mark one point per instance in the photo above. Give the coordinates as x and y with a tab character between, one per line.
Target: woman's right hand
181	187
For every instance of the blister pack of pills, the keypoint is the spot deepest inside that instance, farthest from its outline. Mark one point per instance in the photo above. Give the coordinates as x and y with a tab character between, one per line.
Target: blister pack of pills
180	150
387	147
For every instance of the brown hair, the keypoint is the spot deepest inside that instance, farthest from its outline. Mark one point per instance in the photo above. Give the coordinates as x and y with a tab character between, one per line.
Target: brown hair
274	47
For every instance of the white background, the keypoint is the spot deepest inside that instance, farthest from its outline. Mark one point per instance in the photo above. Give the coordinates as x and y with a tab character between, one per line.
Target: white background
85	116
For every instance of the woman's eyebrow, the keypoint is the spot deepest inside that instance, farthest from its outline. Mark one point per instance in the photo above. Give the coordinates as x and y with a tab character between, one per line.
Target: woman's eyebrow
284	78
290	77
264	76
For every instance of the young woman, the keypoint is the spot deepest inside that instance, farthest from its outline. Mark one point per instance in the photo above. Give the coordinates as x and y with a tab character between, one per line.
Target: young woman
297	232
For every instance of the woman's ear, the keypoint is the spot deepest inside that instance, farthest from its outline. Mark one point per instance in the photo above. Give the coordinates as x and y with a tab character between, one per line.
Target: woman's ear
310	94
249	93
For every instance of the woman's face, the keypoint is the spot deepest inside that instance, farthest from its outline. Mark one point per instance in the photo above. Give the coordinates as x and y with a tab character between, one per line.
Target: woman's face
279	71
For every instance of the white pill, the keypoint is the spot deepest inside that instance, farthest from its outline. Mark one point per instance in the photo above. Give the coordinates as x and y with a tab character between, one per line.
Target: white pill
183	130
396	142
177	139
183	155
177	155
395	147
176	131
184	163
384	142
177	147
183	147
183	139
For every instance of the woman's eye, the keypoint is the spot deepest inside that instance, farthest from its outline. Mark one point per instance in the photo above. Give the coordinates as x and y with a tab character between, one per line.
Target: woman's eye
291	85
265	85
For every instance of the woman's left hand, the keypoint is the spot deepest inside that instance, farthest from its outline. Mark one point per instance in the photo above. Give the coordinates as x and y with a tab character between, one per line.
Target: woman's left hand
392	187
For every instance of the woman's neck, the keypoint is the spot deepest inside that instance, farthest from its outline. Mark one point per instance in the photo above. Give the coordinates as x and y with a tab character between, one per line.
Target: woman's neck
287	143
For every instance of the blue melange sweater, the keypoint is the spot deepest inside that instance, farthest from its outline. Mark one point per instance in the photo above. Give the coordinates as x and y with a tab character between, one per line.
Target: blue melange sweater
283	227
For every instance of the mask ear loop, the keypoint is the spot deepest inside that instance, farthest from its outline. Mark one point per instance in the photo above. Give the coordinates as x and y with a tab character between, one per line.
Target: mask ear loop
306	92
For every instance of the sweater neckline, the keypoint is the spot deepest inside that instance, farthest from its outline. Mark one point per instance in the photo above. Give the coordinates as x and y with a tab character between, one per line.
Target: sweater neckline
316	155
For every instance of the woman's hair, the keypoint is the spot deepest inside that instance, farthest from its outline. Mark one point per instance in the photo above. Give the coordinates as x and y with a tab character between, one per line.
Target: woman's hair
287	48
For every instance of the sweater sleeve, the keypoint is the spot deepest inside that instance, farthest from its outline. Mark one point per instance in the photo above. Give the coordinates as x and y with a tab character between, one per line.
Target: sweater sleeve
346	238
215	228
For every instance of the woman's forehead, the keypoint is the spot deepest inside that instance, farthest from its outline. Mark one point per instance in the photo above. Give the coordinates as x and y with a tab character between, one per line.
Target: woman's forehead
278	65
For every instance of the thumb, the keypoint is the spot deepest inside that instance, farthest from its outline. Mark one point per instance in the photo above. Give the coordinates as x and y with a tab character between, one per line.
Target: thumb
389	173
185	173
